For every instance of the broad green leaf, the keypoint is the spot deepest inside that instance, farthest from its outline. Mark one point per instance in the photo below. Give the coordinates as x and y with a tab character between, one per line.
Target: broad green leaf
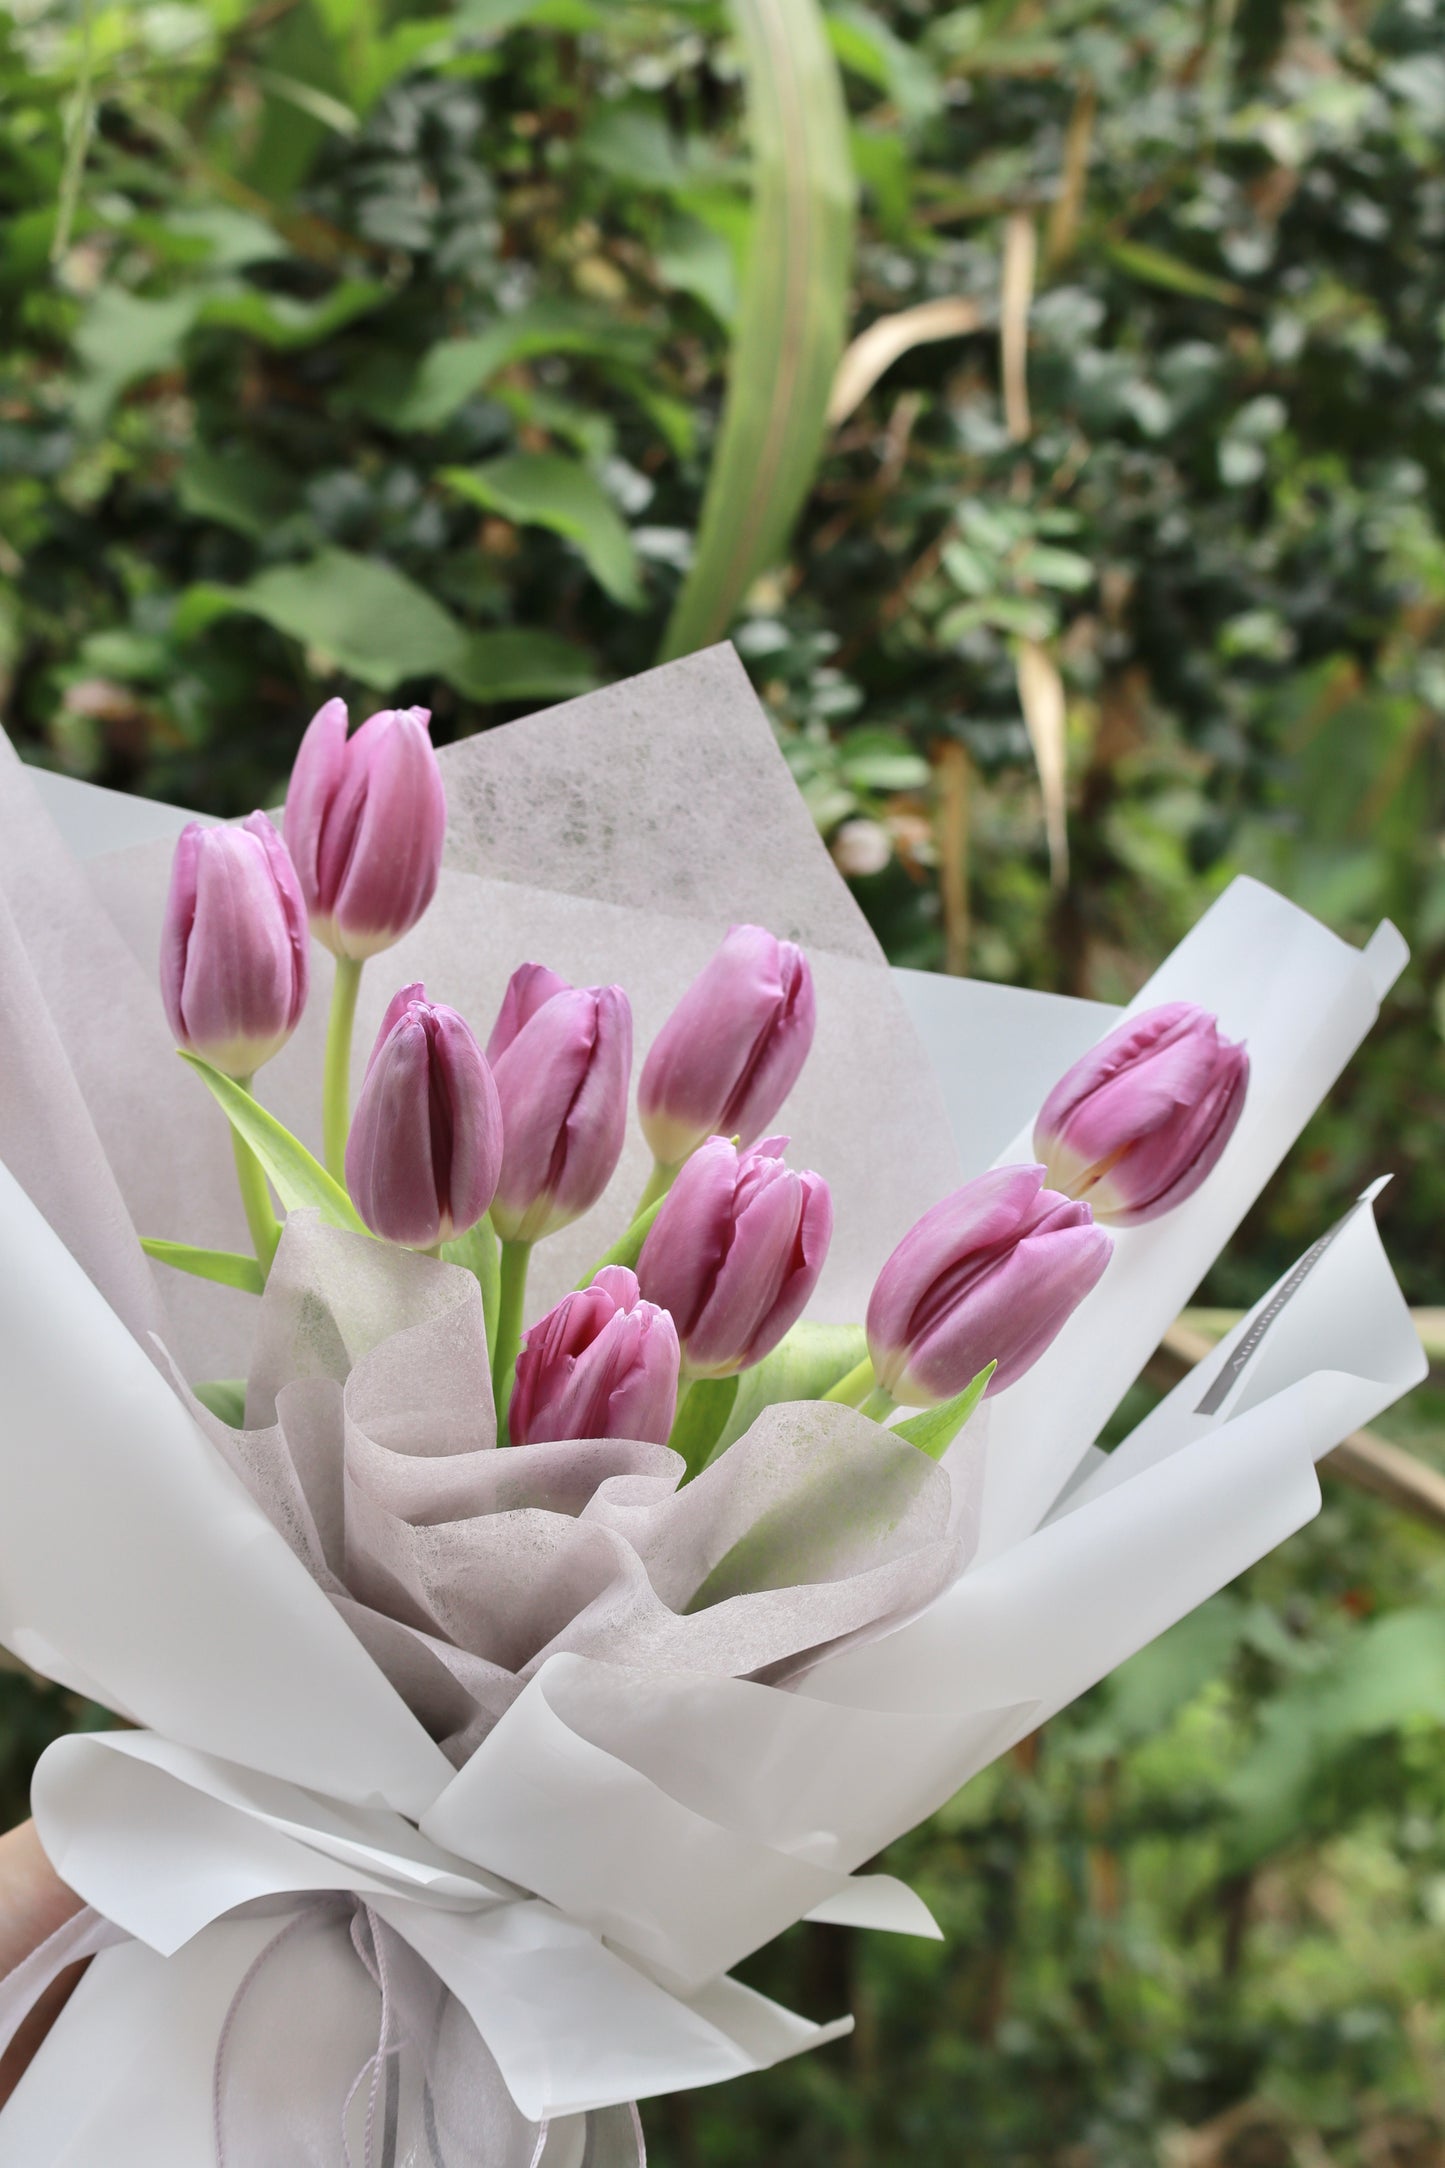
281	321
1030	617
881	760
225	1397
227	239
1056	568
517	665
934	1431
477	1252
1157	268
230	1267
366	616
239	490
631	141
493	18
803	1365
701	1420
867	44
456	368
792	316
124	337
546	489
300	1181
695	259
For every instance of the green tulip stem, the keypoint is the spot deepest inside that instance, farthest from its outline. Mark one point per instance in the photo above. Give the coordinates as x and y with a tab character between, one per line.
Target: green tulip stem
854	1389
879	1405
659	1182
251	1181
516	1256
627	1248
336	1080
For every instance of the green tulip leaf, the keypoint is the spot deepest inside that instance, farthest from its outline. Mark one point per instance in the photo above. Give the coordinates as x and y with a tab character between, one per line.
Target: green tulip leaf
229	1267
934	1431
700	1421
801	1367
477	1252
848	1505
226	1398
300	1181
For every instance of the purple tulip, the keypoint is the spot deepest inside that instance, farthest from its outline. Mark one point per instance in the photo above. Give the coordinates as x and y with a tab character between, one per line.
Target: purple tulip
603	1364
235	961
735	1253
528	987
730	1052
562	1057
366	819
990	1275
426	1139
1138	1123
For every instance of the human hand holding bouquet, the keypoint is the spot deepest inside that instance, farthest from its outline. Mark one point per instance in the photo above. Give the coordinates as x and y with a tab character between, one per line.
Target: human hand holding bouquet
549	1736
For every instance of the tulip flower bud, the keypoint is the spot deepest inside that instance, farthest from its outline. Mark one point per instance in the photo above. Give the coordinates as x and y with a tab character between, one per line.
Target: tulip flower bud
735	1253
562	1058
990	1275
426	1139
365	820
1138	1123
603	1364
730	1052
235	962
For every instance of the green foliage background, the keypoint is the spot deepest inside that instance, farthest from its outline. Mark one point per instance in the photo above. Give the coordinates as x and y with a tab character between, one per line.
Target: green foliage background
352	345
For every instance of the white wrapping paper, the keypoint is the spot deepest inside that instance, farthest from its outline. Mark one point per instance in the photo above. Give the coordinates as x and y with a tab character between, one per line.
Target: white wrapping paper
619	1838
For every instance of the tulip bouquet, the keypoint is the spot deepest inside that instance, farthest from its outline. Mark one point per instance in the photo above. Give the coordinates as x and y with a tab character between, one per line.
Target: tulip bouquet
541	1555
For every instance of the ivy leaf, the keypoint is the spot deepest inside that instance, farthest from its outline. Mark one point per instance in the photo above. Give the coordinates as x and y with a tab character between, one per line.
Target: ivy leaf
230	1267
300	1181
934	1431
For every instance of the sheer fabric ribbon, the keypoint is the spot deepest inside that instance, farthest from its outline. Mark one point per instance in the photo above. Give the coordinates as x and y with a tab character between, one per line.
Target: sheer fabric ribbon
342	2049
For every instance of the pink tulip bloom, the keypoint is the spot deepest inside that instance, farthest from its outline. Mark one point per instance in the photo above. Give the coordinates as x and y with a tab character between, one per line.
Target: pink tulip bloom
603	1364
366	820
1138	1123
426	1139
735	1253
562	1058
235	960
730	1052
991	1274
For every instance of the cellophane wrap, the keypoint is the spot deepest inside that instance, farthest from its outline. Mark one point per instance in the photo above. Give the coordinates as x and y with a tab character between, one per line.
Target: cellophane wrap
455	1782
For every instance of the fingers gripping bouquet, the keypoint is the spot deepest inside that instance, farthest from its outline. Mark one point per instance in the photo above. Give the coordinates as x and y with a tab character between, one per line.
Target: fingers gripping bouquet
541	1554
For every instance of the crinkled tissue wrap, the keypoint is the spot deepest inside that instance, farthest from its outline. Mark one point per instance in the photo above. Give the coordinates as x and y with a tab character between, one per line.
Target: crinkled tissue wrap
460	1779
